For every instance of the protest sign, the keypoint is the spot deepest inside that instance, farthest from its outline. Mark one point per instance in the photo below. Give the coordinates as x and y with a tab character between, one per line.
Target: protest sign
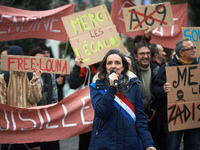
193	33
92	34
184	98
165	36
70	117
20	24
139	17
29	63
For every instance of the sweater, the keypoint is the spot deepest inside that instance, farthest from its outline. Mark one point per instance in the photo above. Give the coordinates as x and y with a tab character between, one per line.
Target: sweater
20	91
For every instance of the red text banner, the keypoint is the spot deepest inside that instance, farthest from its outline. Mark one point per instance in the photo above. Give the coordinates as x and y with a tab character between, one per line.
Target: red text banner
165	36
20	24
92	34
184	98
139	17
29	64
70	117
193	33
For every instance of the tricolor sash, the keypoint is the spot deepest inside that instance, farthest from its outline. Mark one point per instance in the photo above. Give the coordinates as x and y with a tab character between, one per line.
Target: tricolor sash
123	105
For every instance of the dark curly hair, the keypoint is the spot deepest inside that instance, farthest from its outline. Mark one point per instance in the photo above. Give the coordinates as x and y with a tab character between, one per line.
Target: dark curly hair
35	50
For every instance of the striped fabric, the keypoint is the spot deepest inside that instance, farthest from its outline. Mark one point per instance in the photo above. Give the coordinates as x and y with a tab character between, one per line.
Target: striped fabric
20	91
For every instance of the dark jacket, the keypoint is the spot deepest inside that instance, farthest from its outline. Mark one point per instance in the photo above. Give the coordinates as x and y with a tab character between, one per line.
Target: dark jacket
159	82
49	90
111	129
60	88
77	76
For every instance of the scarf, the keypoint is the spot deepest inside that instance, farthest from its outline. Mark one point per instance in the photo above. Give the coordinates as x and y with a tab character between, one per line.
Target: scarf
185	62
122	82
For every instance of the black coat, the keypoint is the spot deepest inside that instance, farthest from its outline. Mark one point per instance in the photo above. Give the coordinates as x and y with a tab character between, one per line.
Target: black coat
75	80
160	80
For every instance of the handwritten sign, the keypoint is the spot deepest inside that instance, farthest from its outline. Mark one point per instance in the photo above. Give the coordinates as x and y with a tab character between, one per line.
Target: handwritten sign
184	98
193	33
92	34
139	17
28	64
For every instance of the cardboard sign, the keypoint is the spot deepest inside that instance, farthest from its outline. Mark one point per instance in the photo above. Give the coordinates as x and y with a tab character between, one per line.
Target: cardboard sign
72	116
20	24
184	98
193	33
162	35
28	64
92	34
139	17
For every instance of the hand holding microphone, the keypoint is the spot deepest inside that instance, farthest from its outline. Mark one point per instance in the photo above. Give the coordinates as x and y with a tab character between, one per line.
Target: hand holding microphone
113	77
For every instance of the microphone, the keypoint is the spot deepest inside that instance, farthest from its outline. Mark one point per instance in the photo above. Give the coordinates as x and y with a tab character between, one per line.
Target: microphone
115	81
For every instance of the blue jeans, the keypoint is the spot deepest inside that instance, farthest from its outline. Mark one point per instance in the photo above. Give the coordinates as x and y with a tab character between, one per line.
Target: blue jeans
191	139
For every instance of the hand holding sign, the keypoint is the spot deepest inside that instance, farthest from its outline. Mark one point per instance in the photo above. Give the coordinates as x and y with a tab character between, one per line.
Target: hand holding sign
148	32
78	61
36	75
167	87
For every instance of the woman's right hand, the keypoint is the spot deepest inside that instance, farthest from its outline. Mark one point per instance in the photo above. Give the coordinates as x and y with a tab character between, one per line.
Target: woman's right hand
112	77
78	61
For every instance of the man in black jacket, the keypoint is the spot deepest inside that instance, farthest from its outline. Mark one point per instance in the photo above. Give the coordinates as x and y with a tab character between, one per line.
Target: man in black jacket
185	55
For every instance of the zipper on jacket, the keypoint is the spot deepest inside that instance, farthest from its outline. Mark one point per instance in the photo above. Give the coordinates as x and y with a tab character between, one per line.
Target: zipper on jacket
98	127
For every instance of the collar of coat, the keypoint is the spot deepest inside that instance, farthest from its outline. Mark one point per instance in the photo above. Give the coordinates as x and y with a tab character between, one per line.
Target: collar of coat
129	74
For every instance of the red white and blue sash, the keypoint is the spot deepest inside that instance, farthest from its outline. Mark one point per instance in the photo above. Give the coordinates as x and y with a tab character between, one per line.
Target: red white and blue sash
123	105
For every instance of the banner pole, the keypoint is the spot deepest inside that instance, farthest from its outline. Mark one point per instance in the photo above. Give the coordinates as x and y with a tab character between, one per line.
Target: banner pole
66	47
120	35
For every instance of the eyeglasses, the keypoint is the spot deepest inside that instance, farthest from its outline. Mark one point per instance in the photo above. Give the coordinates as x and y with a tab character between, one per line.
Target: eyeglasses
143	53
194	47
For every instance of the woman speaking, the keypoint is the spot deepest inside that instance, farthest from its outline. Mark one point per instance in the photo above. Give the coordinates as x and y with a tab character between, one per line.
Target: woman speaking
119	122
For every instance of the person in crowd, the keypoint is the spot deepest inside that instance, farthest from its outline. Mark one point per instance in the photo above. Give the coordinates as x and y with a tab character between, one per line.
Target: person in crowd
13	85
185	55
112	129
158	58
146	72
77	78
49	87
49	95
60	78
3	51
158	55
131	68
51	81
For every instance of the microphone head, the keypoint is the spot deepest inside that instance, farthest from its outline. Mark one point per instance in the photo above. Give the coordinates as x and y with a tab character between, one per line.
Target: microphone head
112	71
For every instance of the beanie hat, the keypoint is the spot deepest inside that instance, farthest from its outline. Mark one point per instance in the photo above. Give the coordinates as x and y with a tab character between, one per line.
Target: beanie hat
15	50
